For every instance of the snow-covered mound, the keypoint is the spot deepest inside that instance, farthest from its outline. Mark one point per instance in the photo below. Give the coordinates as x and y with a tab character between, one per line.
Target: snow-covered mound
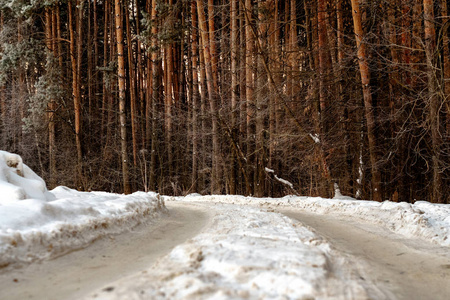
422	219
18	181
246	253
37	224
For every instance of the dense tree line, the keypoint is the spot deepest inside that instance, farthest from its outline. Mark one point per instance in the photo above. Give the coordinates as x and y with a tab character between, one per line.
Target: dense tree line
261	98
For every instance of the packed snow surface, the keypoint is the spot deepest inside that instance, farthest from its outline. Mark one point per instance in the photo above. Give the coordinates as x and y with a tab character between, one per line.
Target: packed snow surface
424	220
245	253
37	224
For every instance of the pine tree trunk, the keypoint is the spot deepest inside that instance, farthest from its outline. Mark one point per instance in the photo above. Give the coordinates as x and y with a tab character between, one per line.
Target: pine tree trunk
446	41
122	86
274	54
433	98
132	85
367	94
324	66
203	113
343	103
90	72
76	94
51	104
234	92
251	130
195	99
96	56
212	45
294	56
209	83
168	105
261	103
155	94
58	32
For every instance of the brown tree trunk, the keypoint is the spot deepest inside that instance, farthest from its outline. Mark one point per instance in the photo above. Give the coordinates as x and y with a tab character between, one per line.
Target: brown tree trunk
367	94
446	41
251	130
348	180
76	94
58	32
203	113
168	105
132	85
261	104
90	71
294	55
274	54
212	45
96	55
195	99
215	188
122	86
324	66
234	92
155	94
433	98
51	104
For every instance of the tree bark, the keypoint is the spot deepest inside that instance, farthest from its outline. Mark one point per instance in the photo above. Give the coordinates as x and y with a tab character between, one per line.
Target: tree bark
261	103
234	92
446	41
433	98
168	106
367	94
122	100
209	83
76	94
155	94
251	130
212	46
51	104
132	85
195	99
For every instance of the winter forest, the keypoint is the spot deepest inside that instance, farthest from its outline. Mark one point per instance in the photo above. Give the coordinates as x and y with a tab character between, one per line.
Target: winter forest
262	98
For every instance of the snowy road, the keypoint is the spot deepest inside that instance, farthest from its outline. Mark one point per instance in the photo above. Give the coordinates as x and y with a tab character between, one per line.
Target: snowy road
389	266
73	275
404	268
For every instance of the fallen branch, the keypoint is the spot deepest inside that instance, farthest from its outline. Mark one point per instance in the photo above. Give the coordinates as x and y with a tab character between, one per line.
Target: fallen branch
286	183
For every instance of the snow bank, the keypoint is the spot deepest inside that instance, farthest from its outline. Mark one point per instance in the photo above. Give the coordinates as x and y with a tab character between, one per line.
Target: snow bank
34	230
245	253
422	219
36	224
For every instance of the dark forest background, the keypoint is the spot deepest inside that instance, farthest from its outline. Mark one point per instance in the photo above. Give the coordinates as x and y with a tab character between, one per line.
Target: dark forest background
237	97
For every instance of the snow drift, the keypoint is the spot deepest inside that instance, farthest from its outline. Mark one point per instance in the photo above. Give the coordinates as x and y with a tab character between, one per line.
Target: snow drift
37	224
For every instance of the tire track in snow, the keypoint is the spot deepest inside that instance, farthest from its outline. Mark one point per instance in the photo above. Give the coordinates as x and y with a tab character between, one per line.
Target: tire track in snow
77	273
403	268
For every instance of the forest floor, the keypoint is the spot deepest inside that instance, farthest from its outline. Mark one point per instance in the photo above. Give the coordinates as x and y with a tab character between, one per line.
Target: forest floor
233	247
